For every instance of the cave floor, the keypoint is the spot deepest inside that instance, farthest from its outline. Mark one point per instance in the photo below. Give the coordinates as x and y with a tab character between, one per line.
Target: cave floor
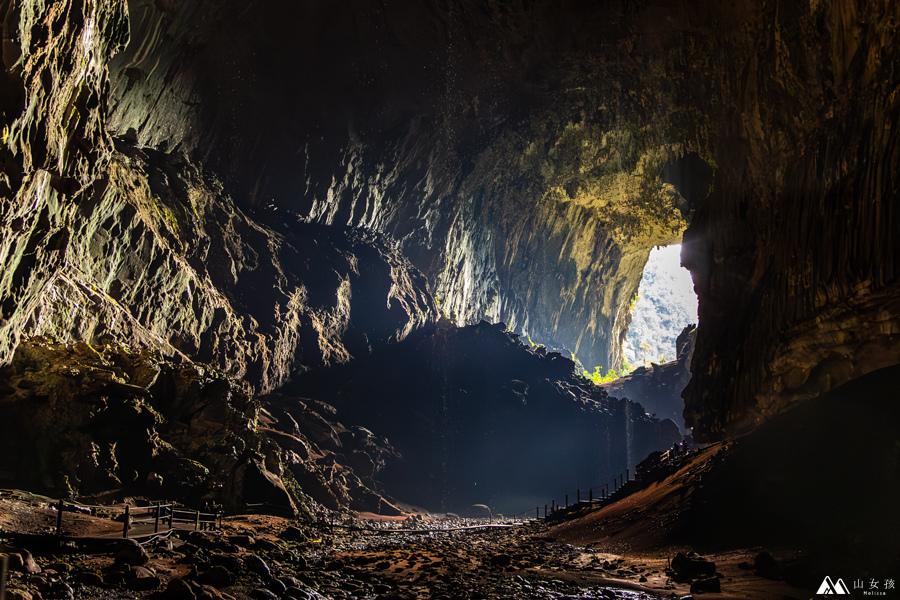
409	559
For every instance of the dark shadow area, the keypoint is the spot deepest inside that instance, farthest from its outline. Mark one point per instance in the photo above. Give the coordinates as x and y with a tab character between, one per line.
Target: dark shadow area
824	477
479	418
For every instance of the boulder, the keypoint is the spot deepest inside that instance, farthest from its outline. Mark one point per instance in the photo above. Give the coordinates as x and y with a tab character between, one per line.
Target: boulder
142	579
217	577
131	553
257	565
766	566
21	561
690	566
260	485
178	589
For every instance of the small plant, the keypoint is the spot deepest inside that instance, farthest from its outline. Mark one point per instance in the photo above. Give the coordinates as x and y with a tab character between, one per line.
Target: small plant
598	377
633	303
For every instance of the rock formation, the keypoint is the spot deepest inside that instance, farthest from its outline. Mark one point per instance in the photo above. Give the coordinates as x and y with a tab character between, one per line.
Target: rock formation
107	421
658	388
528	157
477	417
252	189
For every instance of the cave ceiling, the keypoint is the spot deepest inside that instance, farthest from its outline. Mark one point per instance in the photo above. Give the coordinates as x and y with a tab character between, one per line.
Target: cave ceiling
524	156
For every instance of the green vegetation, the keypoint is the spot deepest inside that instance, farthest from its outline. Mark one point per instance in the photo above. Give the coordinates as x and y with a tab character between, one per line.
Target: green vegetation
534	344
633	303
598	377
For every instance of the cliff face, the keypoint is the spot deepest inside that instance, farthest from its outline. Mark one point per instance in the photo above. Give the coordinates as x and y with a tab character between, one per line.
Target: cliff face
107	243
183	173
523	194
658	388
143	311
794	255
527	158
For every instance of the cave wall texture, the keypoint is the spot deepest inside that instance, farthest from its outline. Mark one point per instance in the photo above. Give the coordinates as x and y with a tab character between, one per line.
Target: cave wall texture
525	156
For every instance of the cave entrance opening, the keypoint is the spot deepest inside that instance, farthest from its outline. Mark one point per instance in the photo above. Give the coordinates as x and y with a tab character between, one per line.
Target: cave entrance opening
664	305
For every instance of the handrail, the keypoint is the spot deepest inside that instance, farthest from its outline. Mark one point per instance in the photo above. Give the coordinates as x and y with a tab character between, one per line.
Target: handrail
155	514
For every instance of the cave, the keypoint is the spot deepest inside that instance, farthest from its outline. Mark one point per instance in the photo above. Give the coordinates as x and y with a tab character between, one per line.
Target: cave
449	299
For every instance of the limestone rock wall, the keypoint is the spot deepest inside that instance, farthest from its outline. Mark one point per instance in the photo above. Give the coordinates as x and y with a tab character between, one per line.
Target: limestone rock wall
525	156
795	253
107	243
524	195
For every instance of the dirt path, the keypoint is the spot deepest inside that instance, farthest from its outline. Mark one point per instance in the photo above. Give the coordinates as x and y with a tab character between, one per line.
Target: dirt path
416	559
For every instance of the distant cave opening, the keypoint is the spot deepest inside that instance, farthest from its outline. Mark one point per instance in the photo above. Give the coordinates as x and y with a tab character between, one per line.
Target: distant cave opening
664	305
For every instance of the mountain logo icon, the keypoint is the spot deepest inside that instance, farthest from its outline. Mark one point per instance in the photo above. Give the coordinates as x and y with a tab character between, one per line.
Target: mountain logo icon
833	588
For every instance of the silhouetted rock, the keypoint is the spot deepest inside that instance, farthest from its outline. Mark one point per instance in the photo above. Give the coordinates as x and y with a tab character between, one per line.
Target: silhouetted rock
766	566
485	420
690	566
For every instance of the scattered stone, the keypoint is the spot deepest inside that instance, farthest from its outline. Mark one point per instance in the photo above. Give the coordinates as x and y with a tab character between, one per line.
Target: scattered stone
243	540
60	567
501	560
277	586
299	594
63	591
263	594
289	582
88	578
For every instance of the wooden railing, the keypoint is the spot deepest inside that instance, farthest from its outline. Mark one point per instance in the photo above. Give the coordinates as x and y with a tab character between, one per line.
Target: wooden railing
163	517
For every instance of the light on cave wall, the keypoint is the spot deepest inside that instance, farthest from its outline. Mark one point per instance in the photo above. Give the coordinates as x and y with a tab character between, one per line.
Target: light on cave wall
666	303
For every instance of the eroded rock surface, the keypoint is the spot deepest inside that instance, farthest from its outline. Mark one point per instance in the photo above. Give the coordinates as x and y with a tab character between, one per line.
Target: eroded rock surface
189	179
84	420
528	156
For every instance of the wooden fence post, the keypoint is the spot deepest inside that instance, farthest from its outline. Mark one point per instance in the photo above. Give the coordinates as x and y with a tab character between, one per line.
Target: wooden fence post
156	519
4	567
59	514
125	521
196	520
171	515
591	495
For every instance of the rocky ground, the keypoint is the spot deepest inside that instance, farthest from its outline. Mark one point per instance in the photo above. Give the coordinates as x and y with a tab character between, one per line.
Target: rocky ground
413	557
